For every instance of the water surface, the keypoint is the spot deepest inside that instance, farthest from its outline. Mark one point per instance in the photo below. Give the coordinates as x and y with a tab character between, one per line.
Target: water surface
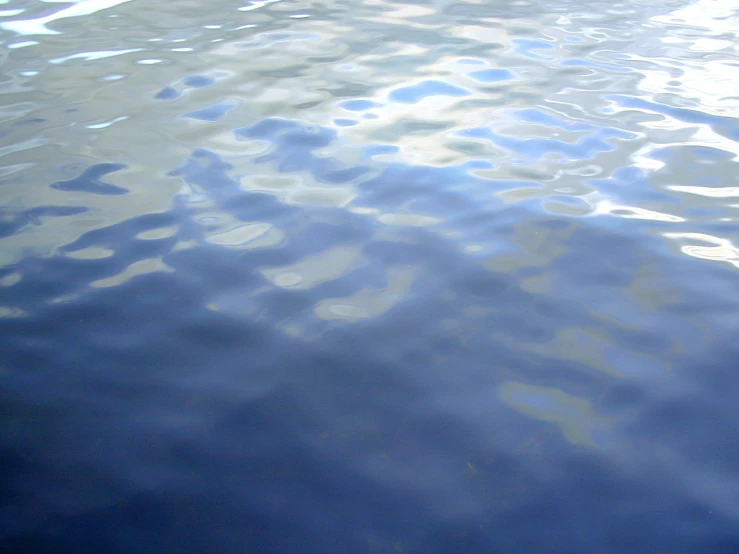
430	277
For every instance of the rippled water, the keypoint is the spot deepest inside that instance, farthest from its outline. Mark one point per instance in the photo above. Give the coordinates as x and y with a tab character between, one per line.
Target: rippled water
347	277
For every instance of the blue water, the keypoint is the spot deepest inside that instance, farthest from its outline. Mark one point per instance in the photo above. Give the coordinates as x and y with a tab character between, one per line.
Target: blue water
436	277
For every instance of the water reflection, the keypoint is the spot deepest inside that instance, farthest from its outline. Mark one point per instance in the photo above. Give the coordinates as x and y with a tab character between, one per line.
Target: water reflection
288	276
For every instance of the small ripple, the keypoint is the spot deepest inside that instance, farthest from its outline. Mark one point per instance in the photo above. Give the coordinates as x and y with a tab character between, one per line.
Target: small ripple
574	415
312	270
89	181
706	247
250	235
368	302
38	26
141	267
724	126
95	55
211	113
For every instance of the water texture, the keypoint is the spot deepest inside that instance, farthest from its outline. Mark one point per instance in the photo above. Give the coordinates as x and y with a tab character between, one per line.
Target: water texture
455	276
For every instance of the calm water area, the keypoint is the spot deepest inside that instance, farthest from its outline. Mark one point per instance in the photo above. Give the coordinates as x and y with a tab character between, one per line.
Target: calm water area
377	277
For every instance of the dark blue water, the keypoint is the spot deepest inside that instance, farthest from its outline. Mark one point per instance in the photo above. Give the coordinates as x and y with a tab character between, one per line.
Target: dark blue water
500	317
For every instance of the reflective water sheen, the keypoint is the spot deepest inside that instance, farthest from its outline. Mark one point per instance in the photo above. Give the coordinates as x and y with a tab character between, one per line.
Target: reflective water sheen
454	276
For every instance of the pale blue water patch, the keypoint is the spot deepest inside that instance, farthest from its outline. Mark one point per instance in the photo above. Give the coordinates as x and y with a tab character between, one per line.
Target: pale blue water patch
379	150
491	75
358	105
415	93
198	81
167	93
192	81
529	47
